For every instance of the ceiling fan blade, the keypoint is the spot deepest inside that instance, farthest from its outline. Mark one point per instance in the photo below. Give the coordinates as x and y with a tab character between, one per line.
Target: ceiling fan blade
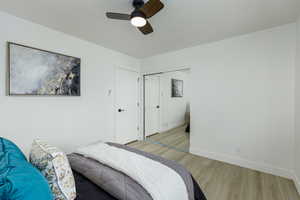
118	16
147	29
152	7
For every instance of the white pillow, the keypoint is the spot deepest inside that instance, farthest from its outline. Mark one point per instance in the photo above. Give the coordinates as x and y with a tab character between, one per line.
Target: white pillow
54	165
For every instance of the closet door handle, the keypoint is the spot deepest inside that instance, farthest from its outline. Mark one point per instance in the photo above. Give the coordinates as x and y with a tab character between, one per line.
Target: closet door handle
121	110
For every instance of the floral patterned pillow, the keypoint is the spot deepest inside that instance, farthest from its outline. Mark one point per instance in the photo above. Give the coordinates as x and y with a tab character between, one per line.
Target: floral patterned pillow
54	165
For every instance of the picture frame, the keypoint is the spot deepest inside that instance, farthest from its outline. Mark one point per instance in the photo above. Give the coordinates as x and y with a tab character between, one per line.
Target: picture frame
37	72
177	88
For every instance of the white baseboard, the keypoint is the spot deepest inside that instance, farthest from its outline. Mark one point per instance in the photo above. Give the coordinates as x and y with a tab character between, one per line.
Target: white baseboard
173	126
245	163
297	182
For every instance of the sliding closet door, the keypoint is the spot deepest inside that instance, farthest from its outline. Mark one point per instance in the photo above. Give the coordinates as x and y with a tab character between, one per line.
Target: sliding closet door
127	107
152	104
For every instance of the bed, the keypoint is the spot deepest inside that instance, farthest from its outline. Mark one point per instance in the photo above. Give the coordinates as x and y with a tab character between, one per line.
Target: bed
103	179
100	171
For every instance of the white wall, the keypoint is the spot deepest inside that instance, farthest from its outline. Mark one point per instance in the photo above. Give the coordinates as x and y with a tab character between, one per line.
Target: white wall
173	110
242	95
242	99
63	121
297	111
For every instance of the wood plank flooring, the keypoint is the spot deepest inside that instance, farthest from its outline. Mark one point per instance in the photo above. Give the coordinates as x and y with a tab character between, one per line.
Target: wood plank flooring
218	180
176	138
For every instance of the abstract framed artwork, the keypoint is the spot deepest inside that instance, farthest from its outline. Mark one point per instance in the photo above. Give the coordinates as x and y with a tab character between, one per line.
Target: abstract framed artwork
177	88
36	72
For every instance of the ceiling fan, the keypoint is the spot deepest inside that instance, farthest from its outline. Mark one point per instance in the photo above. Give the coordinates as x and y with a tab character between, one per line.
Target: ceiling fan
142	11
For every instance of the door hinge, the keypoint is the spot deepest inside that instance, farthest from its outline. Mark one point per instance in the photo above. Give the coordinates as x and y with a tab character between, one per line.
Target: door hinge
138	128
138	80
138	104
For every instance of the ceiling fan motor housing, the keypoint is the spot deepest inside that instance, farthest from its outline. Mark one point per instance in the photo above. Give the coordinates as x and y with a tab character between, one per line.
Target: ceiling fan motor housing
137	13
137	4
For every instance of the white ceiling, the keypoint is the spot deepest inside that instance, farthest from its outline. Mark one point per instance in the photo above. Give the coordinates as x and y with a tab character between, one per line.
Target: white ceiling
181	24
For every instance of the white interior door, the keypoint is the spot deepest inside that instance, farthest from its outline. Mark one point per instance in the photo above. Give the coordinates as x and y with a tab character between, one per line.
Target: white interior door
127	107
152	104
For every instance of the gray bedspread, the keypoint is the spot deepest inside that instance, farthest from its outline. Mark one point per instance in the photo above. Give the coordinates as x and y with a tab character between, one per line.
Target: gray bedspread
119	184
112	181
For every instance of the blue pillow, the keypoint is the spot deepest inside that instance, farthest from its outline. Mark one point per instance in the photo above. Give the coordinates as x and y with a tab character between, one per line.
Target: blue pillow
19	180
8	146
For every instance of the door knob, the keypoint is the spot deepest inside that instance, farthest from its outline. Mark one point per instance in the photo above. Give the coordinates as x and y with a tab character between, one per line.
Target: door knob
157	106
121	110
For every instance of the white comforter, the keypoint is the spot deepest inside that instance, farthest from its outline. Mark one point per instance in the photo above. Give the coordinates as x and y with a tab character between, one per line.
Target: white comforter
162	182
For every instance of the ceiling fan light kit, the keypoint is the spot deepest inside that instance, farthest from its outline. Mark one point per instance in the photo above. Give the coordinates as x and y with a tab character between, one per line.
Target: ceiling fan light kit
138	19
142	12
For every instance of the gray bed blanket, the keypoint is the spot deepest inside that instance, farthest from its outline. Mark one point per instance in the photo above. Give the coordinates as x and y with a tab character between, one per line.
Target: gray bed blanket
113	182
119	184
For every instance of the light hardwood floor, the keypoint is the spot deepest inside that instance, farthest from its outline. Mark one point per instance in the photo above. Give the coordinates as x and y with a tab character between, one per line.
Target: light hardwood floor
222	181
175	138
